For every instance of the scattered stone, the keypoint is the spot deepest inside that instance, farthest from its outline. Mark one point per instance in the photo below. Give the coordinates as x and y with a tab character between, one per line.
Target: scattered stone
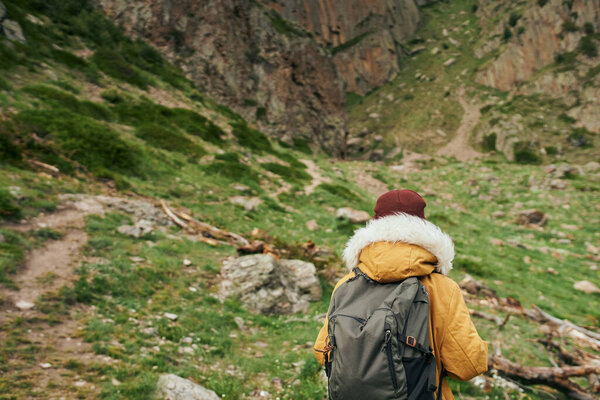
193	289
139	229
248	203
587	287
569	227
239	321
45	365
240	187
454	42
352	215
498	214
435	51
527	260
12	31
312	225
24	305
186	263
80	383
445	32
172	387
593	267
592	249
33	19
136	259
532	217
496	242
172	317
374	116
115	382
378	138
150	331
265	285
552	271
185	350
354	141
592	166
563	241
441	133
449	62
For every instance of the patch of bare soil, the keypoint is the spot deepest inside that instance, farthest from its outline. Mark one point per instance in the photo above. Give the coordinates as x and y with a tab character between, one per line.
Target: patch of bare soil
315	173
459	146
369	183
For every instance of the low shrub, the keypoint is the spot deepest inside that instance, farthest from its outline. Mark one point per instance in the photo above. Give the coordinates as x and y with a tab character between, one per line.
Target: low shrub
90	143
112	63
588	46
166	138
291	175
61	99
9	209
339	191
251	138
489	142
580	137
525	154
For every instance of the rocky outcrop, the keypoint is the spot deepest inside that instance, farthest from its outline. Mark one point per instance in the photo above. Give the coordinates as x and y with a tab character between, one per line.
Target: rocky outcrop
246	56
365	36
543	37
544	34
172	387
266	285
9	28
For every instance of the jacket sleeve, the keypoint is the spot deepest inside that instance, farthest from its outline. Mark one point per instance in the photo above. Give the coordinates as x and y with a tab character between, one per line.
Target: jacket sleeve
320	347
463	353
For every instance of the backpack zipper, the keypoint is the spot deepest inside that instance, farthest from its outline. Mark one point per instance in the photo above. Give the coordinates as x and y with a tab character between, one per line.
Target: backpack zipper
388	351
362	321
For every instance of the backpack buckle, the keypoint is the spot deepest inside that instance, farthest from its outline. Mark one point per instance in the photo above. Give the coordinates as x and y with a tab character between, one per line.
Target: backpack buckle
411	341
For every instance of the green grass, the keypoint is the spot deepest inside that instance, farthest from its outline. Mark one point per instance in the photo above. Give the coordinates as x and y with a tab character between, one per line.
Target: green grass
169	139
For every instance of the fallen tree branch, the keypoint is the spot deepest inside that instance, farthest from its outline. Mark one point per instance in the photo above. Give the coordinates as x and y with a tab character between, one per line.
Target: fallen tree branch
555	377
203	229
47	167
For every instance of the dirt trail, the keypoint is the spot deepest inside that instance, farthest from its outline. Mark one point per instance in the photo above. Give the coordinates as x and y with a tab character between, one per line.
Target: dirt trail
459	146
50	267
315	173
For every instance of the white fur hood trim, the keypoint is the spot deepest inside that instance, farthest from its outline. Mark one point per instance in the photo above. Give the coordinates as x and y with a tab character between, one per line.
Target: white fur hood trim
404	228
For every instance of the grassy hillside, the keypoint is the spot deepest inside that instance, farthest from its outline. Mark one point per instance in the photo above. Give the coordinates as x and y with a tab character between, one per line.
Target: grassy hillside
420	109
116	119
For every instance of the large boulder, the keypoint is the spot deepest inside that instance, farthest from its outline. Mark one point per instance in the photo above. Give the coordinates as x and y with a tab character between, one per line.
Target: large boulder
352	215
12	30
172	387
266	285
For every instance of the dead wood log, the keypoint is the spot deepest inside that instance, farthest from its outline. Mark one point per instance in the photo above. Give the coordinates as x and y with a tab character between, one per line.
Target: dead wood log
47	167
194	226
565	328
494	318
555	377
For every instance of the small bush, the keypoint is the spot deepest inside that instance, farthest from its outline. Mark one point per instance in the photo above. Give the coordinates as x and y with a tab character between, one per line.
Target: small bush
251	138
9	209
570	26
112	95
520	30
9	151
113	64
61	99
168	139
92	144
524	153
513	19
197	125
340	191
580	137
588	28
551	150
507	34
69	59
542	3
588	46
489	142
232	169
566	118
291	175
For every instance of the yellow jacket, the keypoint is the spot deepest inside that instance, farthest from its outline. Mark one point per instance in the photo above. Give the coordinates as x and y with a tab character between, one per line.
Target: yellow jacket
453	336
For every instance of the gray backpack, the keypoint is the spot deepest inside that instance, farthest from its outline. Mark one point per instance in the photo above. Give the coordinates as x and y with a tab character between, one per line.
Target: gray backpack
379	340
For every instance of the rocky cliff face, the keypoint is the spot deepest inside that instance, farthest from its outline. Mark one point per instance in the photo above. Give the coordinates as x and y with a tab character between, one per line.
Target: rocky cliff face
249	58
551	49
365	36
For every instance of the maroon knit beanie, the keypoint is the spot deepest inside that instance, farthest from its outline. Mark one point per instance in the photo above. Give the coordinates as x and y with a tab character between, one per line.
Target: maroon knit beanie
397	201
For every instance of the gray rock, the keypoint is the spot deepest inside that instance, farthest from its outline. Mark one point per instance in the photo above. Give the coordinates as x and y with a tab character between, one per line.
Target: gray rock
12	30
449	62
312	225
139	229
249	203
172	387
265	285
586	286
352	215
592	166
24	305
